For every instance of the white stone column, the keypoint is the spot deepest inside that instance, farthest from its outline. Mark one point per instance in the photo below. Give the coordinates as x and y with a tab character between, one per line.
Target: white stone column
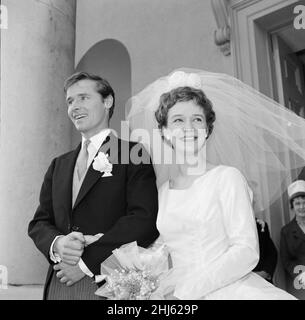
37	54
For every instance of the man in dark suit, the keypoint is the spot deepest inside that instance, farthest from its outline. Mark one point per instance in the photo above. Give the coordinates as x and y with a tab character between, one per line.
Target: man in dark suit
93	199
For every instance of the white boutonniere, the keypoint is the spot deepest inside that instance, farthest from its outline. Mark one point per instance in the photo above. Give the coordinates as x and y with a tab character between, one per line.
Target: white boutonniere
102	164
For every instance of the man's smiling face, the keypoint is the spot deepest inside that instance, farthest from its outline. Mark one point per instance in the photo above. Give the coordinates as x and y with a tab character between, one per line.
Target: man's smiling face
86	107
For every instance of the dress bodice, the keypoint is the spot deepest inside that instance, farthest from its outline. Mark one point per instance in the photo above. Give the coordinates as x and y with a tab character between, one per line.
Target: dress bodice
191	221
210	231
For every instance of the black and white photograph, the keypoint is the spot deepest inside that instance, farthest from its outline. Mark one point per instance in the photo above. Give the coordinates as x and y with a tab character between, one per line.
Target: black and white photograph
152	150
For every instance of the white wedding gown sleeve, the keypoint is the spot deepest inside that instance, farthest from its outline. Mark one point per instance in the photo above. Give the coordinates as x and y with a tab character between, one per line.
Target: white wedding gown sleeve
211	235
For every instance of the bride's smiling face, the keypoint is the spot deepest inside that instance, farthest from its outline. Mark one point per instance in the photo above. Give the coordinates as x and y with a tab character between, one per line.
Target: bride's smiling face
186	127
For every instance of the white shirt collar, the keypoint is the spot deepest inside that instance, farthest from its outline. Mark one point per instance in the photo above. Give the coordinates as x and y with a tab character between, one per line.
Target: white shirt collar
98	139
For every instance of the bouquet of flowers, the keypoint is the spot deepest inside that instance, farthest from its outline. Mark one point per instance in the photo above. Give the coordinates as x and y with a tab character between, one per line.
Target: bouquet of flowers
134	273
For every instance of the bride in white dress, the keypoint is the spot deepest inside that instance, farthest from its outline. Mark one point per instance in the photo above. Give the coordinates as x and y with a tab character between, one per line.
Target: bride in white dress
205	213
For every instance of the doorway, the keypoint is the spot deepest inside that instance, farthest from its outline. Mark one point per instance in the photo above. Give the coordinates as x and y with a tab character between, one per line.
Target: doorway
109	59
268	54
288	47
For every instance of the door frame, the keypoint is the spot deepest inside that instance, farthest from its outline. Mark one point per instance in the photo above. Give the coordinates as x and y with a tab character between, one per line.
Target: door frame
251	23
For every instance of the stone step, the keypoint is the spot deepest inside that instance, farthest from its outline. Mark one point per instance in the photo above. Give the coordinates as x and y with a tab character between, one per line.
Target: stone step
22	292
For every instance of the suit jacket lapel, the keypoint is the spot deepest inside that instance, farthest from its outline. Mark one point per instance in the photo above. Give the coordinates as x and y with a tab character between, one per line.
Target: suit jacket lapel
90	179
64	187
297	231
92	176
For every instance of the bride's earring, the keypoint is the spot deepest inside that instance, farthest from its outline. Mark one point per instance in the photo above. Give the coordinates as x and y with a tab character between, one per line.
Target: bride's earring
206	133
166	136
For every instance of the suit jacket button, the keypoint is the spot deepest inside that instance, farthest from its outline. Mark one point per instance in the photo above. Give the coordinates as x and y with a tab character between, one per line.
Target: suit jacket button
75	228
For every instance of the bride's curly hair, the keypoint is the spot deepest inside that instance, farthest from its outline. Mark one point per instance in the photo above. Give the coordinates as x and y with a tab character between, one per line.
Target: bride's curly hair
169	99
